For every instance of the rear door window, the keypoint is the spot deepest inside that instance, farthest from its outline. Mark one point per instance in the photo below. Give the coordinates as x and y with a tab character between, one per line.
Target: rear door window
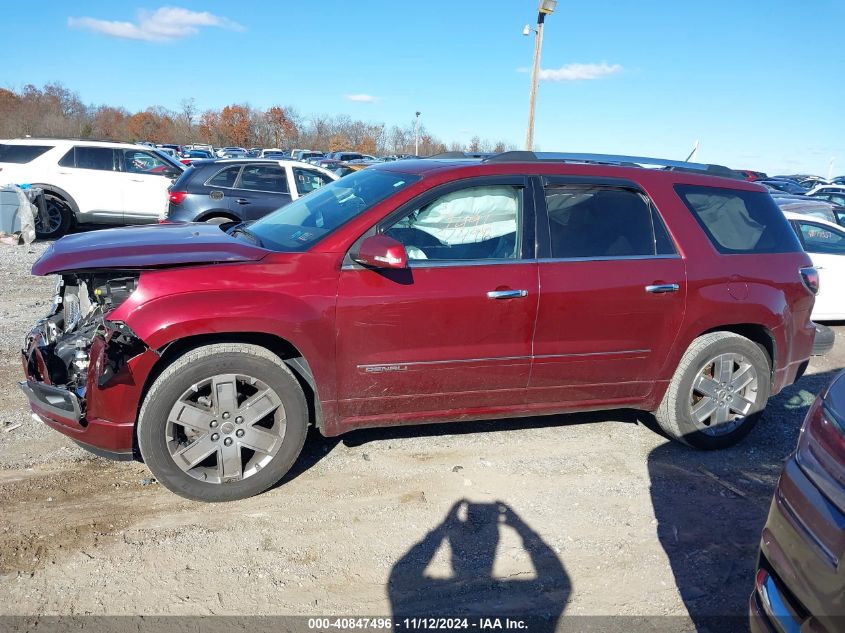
738	221
269	178
822	239
97	158
21	154
225	177
603	222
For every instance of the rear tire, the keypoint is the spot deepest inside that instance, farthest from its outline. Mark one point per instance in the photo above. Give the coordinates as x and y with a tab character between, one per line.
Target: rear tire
718	392
223	422
59	218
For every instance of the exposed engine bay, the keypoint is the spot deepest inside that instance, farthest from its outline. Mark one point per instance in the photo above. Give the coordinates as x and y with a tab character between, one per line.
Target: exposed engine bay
60	344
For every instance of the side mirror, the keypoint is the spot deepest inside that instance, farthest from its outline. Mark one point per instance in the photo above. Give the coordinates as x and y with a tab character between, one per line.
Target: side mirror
380	251
172	172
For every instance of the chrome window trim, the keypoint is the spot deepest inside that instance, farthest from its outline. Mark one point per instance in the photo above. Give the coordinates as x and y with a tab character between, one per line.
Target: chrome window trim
450	263
556	260
220	171
423	363
454	263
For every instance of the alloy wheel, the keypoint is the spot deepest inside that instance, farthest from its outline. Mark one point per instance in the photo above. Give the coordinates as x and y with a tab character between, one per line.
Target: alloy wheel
225	428
724	391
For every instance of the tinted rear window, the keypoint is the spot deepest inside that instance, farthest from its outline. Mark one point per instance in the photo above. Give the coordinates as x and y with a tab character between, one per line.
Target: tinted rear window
739	221
21	153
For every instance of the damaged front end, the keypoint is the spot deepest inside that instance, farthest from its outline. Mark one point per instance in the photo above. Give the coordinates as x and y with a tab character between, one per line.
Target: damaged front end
78	363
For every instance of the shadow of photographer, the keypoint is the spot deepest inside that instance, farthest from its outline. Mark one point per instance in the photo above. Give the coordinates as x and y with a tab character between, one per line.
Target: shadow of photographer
473	534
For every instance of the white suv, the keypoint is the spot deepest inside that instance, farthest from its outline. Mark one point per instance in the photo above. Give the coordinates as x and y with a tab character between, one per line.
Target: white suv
89	181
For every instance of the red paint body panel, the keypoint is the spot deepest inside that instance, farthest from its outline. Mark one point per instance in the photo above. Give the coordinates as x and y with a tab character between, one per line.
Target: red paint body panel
149	246
428	339
426	343
599	334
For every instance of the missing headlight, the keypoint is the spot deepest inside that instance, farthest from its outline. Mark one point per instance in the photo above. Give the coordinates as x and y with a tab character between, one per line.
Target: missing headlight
113	292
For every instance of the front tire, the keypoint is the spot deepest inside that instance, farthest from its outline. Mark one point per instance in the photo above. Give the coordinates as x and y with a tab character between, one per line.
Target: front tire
718	392
223	422
59	218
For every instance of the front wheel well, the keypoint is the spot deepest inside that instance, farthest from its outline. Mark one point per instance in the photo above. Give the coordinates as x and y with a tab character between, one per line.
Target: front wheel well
285	350
61	194
210	215
753	332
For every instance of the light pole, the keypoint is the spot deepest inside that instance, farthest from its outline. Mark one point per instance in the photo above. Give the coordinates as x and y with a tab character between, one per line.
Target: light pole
417	135
547	7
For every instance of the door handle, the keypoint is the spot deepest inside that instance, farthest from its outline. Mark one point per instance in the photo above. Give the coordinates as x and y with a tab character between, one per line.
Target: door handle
662	288
242	201
137	179
507	294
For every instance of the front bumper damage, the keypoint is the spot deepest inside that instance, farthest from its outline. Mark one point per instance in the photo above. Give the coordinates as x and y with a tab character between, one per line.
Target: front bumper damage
85	373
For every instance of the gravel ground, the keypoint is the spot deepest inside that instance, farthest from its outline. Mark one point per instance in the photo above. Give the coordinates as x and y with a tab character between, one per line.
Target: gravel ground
582	514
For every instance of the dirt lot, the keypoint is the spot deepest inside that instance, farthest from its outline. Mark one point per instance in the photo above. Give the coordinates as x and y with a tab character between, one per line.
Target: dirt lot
581	514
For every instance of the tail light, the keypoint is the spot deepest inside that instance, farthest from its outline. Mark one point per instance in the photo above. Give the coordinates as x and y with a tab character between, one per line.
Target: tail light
185	161
821	447
176	197
810	277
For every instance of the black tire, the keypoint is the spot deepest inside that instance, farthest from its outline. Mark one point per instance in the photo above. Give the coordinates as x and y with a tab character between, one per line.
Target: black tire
686	397
60	217
824	340
250	362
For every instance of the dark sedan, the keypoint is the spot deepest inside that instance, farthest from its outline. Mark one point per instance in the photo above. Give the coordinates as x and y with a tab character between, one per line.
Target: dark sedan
220	191
800	581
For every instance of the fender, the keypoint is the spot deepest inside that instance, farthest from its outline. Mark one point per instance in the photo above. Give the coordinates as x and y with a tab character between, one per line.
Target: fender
764	306
64	194
167	319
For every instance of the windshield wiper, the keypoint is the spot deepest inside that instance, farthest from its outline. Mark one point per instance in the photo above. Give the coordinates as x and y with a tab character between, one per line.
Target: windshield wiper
240	228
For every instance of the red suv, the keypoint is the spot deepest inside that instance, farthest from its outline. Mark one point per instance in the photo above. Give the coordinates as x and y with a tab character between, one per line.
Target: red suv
424	291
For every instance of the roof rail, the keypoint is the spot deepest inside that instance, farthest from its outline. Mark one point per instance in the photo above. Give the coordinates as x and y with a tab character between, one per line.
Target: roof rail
613	159
446	155
69	138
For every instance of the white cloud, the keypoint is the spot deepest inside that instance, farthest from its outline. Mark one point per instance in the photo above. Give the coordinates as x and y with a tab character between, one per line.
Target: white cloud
577	72
361	98
161	25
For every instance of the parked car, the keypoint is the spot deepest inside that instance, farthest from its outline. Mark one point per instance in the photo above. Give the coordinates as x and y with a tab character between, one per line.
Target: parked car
826	188
273	152
788	186
800	582
815	207
168	151
223	191
424	291
825	243
345	157
813	181
231	152
176	148
750	175
90	181
307	155
191	155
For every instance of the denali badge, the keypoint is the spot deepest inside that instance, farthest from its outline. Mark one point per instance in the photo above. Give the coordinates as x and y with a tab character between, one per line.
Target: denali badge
379	369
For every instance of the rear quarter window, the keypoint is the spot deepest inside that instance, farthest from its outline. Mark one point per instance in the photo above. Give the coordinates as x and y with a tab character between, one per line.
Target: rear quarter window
21	153
739	221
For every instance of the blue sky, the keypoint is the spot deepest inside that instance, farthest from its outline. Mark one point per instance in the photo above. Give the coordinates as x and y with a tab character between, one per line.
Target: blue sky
758	83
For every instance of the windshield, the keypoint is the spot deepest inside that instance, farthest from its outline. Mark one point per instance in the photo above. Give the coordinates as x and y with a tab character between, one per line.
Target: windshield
298	225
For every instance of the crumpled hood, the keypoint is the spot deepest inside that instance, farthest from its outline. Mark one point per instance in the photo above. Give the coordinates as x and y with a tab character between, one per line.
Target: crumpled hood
150	246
